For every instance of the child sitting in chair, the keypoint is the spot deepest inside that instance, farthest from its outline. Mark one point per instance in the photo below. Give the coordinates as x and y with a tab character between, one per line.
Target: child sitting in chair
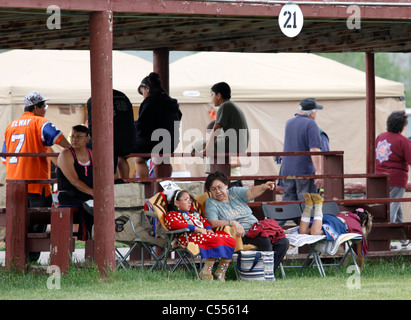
213	245
359	221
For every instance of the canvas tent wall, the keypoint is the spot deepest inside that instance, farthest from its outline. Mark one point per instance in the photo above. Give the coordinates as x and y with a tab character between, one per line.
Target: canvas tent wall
63	76
268	88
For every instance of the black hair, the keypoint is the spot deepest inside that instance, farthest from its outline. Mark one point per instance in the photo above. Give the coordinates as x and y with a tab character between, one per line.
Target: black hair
396	121
81	128
176	196
215	176
365	218
153	81
223	88
31	108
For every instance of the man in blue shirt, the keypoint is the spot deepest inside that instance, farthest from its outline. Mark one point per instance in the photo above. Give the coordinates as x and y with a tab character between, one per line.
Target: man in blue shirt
302	134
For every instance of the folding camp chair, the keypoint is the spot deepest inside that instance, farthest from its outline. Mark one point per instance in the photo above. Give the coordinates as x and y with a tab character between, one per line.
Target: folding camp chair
239	245
187	255
317	243
331	247
140	237
283	212
132	225
199	206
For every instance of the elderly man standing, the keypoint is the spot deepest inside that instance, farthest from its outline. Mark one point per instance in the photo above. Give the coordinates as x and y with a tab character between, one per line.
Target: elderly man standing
32	133
302	134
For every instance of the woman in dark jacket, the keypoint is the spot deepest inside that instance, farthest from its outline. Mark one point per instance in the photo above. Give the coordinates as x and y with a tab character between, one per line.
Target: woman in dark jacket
157	127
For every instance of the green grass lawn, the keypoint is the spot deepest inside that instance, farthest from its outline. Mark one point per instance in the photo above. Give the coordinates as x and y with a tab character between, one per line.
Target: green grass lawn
380	279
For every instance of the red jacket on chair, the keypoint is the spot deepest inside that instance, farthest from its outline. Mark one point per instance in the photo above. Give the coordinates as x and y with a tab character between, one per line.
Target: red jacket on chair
266	228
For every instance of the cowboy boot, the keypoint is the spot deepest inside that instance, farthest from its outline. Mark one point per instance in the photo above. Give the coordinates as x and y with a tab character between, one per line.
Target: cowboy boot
205	273
222	269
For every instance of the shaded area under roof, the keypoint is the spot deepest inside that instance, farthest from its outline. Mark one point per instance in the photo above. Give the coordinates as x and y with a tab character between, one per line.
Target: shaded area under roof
239	27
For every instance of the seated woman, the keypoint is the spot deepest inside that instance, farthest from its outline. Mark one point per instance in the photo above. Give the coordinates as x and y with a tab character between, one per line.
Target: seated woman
213	245
229	207
75	177
359	221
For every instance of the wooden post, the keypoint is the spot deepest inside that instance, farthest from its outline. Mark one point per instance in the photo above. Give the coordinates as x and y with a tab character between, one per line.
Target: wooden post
220	162
333	188
61	237
16	224
161	66
370	114
379	187
101	44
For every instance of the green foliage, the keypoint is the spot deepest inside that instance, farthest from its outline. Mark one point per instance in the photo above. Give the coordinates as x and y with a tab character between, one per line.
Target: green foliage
391	66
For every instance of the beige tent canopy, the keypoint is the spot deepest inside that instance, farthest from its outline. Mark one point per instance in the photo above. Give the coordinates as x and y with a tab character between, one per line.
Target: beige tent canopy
271	77
64	75
268	87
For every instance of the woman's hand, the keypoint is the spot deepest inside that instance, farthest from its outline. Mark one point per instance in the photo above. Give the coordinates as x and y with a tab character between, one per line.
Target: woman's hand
258	190
238	228
269	185
200	230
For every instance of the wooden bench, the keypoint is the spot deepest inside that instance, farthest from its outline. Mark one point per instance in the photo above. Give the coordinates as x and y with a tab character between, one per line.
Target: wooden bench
17	217
390	231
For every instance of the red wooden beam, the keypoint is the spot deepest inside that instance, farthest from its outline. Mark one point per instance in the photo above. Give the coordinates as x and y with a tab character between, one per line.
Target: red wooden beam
161	66
16	224
101	44
370	113
310	9
61	237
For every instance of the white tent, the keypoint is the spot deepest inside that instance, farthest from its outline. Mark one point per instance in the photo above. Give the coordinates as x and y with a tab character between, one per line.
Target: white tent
268	88
64	75
271	77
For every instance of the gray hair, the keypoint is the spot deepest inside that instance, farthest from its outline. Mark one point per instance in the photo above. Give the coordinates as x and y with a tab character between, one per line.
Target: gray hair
306	112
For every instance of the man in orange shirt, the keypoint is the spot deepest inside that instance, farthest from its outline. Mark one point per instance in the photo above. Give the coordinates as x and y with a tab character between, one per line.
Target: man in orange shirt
32	133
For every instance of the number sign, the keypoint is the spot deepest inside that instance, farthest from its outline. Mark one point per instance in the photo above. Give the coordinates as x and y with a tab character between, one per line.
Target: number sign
291	20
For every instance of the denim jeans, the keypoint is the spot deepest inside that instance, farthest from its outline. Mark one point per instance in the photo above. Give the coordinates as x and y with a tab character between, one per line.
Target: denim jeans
294	189
395	207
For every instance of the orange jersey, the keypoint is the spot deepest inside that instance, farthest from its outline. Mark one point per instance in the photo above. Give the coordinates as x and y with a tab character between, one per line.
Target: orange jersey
30	133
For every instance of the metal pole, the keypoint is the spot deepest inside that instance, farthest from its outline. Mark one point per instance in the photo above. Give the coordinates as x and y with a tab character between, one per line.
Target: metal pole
101	44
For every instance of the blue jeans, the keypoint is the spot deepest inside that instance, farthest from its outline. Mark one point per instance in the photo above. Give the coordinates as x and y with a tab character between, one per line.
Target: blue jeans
395	207
294	189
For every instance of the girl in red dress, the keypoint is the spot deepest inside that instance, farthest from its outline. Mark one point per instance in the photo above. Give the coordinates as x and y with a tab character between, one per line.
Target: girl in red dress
213	245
